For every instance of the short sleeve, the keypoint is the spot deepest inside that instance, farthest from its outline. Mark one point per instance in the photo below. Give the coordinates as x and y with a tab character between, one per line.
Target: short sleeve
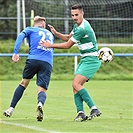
78	34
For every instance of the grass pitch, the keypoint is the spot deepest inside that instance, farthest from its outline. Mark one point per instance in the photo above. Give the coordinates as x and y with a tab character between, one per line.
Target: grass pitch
113	98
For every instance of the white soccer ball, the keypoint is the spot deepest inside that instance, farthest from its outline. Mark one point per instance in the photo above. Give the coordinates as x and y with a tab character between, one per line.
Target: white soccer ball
105	54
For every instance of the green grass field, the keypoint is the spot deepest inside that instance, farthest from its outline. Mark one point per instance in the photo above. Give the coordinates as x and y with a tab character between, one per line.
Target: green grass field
113	98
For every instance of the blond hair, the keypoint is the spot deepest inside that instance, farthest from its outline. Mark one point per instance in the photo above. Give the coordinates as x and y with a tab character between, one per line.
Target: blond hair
38	19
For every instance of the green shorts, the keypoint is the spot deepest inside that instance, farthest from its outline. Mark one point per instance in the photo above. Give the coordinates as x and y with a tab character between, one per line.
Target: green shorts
88	66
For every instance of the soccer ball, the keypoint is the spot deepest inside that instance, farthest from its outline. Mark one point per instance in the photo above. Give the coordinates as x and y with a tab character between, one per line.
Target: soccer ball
105	54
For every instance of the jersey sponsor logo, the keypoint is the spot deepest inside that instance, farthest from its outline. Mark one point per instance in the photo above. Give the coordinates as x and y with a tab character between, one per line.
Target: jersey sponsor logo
44	48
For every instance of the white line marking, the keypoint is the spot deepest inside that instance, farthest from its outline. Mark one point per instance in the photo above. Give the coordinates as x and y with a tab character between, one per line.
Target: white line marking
28	126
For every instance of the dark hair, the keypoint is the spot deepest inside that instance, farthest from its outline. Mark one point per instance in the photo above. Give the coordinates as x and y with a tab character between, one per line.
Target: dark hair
77	6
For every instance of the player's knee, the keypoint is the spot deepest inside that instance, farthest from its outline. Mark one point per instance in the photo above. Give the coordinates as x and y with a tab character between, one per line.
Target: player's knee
75	86
24	82
41	89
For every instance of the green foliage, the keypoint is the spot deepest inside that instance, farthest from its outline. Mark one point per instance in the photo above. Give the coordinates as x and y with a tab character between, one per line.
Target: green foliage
56	13
8	9
63	67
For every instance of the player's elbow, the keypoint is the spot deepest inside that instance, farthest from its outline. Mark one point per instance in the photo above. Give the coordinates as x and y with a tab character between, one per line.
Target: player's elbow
68	46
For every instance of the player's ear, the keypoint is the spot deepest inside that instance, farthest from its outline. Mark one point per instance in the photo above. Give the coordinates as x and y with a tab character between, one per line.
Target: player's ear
44	25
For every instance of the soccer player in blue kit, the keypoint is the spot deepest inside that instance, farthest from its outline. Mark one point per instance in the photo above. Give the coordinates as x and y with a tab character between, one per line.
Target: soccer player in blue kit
39	62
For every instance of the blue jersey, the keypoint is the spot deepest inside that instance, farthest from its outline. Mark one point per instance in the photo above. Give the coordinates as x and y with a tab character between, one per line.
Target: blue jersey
36	51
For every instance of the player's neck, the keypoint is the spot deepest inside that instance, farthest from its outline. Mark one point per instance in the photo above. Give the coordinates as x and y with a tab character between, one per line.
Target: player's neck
39	26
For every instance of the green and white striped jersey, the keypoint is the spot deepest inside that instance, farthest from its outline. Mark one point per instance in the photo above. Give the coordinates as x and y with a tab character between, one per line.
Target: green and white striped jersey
84	36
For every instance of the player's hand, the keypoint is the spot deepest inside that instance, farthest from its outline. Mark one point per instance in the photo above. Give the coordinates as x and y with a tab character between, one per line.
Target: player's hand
15	58
53	30
46	44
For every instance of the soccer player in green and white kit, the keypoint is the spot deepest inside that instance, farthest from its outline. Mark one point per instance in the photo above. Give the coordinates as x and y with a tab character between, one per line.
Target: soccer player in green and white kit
83	35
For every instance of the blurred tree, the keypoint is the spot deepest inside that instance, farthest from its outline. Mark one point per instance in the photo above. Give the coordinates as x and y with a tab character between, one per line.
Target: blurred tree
8	8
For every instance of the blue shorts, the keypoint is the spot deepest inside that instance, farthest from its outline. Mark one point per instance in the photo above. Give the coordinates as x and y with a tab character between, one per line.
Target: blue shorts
42	70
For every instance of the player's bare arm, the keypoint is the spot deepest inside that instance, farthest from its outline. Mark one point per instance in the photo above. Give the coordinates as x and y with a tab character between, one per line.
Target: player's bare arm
64	37
65	45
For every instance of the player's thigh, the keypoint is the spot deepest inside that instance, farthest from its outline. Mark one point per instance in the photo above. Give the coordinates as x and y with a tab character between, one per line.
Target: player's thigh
30	68
44	74
88	67
25	82
78	82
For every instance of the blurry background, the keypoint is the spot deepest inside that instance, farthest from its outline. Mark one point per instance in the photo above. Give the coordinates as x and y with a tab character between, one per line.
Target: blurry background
112	21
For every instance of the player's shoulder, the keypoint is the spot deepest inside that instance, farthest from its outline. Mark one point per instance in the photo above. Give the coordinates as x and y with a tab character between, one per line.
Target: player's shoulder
82	26
48	31
86	23
29	28
35	29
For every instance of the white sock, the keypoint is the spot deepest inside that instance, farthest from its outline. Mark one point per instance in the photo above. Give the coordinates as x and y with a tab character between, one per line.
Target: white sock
39	104
93	107
11	108
80	112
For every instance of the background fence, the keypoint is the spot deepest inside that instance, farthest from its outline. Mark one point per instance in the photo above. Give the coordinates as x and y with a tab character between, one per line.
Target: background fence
75	55
112	20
